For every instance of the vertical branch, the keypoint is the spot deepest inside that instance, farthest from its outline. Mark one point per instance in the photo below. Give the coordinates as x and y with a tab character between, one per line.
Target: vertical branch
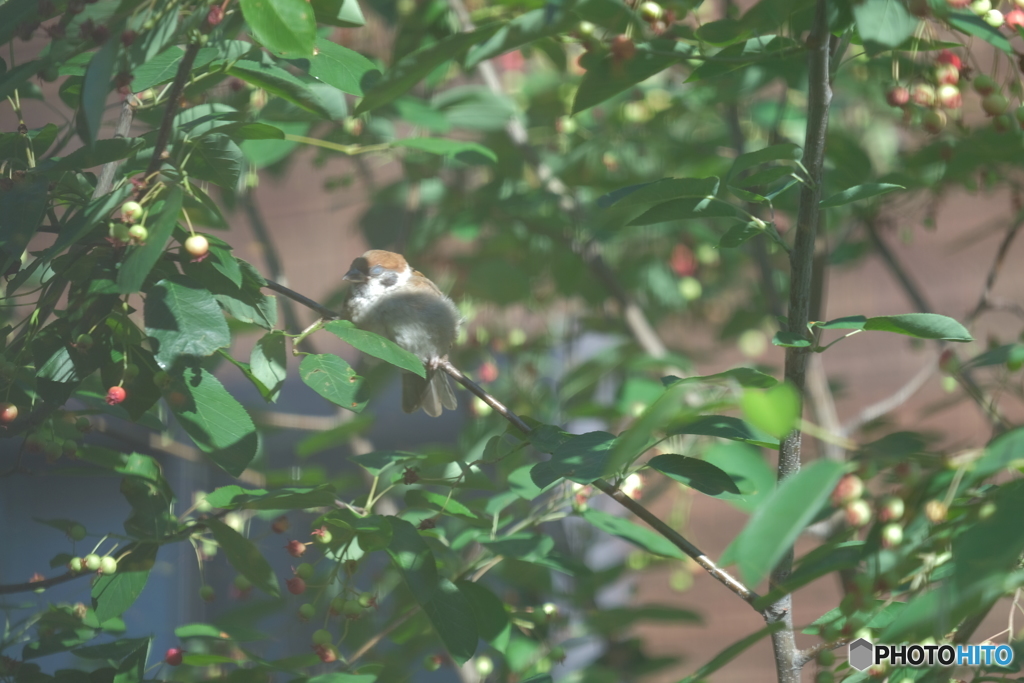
819	96
163	136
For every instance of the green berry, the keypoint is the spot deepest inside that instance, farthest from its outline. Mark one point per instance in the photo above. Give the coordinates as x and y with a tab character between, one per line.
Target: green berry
307	611
131	211
304	571
108	565
76	564
92	562
77	531
139	233
367	600
322	637
207	593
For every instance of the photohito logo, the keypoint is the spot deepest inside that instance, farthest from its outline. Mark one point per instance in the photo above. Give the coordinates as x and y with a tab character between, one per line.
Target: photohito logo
864	654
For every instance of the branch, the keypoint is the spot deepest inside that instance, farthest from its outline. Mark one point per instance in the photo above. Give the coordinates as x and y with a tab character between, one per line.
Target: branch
985	300
896	268
819	97
305	301
890	403
163	136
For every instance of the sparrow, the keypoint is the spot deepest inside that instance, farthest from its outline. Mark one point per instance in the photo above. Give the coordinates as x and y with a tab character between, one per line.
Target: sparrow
391	299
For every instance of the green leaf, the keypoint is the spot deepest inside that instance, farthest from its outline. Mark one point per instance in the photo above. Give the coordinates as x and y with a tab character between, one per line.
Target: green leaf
413	67
581	458
376	346
340	67
790	340
695	473
921	325
115	652
607	76
745	377
740	233
685	209
774	410
245	557
852	322
446	147
21	212
183	319
344	13
747	467
666	189
1006	450
743	54
975	26
216	421
775	525
823	560
334	379
617	619
113	595
101	152
268	363
413	558
216	158
526	28
235	497
722	32
141	259
287	27
489	613
321	441
303	91
95	87
887	23
730	653
453	618
725	427
645	538
859	192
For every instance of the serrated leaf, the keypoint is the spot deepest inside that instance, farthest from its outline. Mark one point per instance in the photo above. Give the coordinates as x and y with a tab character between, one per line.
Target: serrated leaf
453	618
287	27
268	363
334	379
216	421
921	325
859	192
607	76
745	377
113	595
886	23
725	427
338	66
695	473
302	90
413	67
376	346
775	525
446	147
245	557
140	259
95	87
184	320
235	497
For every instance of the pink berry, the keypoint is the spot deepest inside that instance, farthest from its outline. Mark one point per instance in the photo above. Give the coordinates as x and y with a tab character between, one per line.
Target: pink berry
849	488
296	586
8	413
923	94
296	548
949	97
858	513
1015	18
174	656
947	74
116	395
898	96
947	57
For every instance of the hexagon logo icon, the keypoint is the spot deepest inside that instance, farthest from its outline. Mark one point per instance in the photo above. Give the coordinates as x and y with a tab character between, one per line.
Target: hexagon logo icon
861	654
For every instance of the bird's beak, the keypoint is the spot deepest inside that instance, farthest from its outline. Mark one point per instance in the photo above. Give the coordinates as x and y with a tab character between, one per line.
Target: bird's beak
355	275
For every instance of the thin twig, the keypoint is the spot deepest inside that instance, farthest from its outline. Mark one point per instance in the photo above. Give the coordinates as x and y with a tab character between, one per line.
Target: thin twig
163	136
819	97
984	301
890	403
324	312
896	268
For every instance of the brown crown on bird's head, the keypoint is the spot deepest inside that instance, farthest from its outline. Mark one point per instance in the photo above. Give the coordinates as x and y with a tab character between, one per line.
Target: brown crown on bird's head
388	260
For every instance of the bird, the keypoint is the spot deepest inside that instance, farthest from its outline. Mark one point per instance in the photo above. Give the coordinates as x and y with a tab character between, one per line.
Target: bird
389	298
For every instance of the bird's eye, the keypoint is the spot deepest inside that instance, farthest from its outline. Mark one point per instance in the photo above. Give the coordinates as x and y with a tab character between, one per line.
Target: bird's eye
376	270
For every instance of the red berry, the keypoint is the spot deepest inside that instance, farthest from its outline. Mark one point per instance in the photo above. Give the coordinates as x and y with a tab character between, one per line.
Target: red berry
898	96
622	48
116	395
215	15
488	372
296	586
947	74
8	413
849	488
326	653
947	57
280	525
295	548
923	94
128	37
174	656
1015	18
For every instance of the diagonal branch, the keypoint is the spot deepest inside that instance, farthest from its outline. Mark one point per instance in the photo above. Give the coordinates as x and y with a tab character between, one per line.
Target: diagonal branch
163	136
